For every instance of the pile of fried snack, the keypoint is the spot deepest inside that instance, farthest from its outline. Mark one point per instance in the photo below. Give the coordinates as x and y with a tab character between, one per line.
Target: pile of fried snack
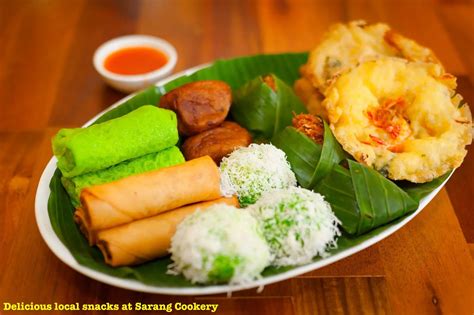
136	181
388	100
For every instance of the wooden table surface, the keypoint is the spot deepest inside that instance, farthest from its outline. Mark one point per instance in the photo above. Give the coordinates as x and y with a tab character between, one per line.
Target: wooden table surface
47	82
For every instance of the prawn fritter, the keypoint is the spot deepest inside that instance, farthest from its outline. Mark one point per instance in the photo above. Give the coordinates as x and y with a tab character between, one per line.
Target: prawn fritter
346	45
310	96
401	118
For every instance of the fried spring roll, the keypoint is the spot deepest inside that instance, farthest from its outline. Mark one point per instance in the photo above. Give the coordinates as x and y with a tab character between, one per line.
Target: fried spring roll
149	238
148	194
84	227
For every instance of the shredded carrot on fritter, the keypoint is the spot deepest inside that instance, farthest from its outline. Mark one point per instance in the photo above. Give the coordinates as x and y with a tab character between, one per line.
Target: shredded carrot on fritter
448	76
449	80
398	148
383	116
377	140
270	81
310	125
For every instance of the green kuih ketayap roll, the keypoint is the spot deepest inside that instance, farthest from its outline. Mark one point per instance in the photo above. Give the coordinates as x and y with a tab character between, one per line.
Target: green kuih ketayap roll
146	130
265	106
145	163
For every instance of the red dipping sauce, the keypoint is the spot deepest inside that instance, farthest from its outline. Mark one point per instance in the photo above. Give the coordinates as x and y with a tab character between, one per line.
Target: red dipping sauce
135	60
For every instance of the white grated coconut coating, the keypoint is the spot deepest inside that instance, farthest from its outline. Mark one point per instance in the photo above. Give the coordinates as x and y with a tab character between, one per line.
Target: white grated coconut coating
250	171
298	225
220	244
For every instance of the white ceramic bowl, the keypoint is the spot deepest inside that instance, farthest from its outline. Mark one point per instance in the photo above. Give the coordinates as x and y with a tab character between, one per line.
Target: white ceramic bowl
132	83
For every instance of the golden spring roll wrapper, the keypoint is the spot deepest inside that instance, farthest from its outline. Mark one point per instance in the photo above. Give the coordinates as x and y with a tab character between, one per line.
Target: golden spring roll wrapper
82	223
79	218
149	238
148	194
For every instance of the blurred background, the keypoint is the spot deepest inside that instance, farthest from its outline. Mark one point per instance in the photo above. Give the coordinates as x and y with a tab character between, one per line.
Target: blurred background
47	45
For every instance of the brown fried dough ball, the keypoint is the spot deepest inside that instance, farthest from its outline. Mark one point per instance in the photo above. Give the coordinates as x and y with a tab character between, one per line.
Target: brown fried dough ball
200	105
217	142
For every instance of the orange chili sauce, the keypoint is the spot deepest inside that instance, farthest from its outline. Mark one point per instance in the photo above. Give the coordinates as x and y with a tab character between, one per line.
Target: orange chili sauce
135	60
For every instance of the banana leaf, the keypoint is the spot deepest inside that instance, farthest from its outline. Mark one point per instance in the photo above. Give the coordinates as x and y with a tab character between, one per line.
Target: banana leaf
301	152
265	108
363	199
310	161
150	96
338	190
418	191
331	155
236	72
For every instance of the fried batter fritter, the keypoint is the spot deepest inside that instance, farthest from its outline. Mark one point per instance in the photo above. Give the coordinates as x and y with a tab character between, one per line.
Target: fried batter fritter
402	118
310	96
346	45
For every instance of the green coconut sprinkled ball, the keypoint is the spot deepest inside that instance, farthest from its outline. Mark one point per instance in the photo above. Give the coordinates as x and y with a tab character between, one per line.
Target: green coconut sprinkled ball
298	225
250	171
218	245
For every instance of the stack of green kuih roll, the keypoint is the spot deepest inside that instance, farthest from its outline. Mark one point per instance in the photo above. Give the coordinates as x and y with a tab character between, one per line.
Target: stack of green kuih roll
140	141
